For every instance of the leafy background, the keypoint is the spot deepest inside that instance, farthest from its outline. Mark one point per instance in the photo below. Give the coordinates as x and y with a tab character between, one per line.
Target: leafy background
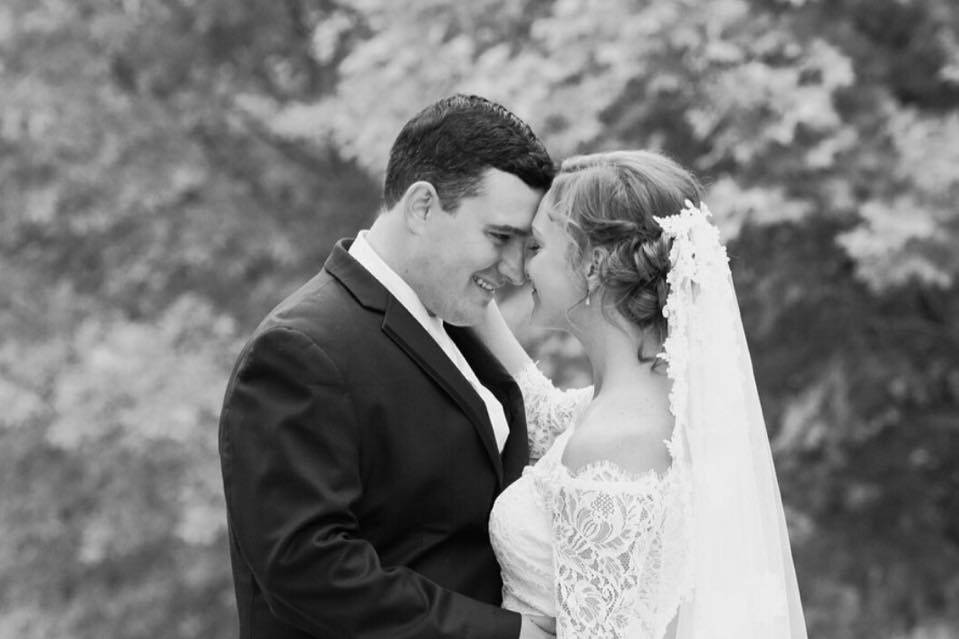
170	169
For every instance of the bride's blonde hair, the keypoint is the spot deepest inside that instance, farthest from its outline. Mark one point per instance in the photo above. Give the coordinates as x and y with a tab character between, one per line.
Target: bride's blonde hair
608	201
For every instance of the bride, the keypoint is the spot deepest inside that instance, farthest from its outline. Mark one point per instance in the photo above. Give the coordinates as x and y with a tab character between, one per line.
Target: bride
653	510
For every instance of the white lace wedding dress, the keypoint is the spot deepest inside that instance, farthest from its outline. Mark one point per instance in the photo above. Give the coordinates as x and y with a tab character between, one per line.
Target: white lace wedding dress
615	555
602	550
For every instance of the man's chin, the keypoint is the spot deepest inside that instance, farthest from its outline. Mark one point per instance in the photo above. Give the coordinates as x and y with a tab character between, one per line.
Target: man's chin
463	322
466	318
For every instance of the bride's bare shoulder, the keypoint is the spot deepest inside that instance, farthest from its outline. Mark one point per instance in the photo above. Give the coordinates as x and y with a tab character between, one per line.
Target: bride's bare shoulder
634	438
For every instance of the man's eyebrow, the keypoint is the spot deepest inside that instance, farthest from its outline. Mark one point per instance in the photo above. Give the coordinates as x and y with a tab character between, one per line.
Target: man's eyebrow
508	228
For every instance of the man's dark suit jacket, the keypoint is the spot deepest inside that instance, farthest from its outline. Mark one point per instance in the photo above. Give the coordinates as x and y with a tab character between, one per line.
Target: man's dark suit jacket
360	469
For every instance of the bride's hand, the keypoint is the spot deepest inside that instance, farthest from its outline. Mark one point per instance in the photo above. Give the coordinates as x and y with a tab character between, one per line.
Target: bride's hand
492	321
494	332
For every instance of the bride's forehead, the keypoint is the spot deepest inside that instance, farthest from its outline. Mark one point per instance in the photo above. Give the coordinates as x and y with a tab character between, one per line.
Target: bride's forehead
553	226
550	216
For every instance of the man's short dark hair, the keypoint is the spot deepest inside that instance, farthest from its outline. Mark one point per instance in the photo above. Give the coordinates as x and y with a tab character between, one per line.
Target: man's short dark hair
452	143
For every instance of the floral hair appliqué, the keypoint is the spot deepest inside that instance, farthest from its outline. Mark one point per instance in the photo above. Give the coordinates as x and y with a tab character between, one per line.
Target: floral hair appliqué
697	259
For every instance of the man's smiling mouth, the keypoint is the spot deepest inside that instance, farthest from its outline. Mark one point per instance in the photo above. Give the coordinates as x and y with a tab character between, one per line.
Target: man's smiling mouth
483	284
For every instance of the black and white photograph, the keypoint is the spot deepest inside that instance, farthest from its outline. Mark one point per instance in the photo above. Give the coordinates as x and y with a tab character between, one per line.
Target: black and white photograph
502	319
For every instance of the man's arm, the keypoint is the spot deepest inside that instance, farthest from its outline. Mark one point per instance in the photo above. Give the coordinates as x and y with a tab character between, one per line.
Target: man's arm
290	455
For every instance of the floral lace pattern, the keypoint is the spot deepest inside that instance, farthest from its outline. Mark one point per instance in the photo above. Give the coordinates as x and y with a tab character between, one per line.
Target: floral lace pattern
603	550
549	411
619	549
696	258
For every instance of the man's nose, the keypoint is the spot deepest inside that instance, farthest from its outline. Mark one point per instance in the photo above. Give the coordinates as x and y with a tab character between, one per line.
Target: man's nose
512	264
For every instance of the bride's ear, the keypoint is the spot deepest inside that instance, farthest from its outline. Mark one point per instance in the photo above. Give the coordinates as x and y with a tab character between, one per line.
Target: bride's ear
419	202
594	266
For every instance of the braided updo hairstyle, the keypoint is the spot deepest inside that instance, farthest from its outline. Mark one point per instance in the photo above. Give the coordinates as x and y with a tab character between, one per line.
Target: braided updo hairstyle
608	201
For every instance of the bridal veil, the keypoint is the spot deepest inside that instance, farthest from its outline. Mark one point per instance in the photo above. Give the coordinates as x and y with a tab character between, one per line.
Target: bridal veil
742	574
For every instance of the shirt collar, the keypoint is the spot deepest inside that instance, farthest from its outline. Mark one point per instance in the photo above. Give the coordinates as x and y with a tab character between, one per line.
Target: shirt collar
366	255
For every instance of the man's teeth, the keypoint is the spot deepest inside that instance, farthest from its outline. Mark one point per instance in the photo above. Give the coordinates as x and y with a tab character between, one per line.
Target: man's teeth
483	284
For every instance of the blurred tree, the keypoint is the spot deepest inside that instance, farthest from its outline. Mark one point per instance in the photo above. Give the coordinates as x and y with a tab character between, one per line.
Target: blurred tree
145	223
169	170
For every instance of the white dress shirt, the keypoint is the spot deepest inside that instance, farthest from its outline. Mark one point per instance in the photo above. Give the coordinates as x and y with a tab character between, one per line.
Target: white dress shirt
363	253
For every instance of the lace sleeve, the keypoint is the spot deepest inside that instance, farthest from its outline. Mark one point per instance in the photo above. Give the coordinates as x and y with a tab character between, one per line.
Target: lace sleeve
618	568
549	410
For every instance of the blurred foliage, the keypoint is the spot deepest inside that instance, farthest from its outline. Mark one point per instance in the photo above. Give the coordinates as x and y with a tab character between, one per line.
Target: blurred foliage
169	170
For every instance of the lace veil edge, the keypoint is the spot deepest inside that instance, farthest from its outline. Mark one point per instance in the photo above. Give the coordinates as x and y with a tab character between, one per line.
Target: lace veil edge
742	580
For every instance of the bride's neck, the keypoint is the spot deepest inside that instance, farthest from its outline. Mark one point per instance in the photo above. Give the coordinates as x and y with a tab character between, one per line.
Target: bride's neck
613	353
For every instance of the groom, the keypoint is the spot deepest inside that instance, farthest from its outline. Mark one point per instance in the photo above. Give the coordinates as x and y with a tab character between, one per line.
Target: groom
365	434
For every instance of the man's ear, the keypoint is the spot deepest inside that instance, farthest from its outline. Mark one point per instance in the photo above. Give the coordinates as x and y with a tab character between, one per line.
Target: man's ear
419	202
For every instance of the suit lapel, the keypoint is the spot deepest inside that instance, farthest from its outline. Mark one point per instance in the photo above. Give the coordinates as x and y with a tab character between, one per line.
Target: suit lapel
423	349
492	374
419	345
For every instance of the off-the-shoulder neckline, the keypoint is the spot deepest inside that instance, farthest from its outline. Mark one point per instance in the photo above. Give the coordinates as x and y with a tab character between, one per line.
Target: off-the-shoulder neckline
582	473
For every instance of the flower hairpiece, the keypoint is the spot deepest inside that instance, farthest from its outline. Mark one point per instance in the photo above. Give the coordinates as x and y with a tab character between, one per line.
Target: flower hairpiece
696	258
697	252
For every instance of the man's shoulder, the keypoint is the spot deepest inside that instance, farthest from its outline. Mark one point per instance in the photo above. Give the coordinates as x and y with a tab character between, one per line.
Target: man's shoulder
322	309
